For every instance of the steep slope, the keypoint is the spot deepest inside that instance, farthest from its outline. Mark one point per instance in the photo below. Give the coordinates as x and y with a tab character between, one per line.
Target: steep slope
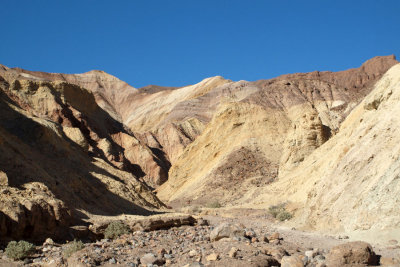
54	168
110	138
154	113
263	130
351	183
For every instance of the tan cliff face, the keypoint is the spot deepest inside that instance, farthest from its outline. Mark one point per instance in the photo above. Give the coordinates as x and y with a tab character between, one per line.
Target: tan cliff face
350	184
278	122
55	169
90	117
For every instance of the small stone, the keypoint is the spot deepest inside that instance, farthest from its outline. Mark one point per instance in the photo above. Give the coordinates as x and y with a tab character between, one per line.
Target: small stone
98	250
121	241
276	242
162	251
254	240
48	241
310	254
51	263
212	257
265	239
202	222
148	258
393	242
274	236
305	259
27	261
249	233
319	258
233	252
276	252
194	264
112	261
192	253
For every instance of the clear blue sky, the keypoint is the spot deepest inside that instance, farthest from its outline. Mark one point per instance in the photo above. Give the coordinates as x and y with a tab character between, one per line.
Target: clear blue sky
174	43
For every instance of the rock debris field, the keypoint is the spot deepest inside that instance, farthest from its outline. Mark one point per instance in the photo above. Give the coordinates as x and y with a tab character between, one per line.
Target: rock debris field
251	240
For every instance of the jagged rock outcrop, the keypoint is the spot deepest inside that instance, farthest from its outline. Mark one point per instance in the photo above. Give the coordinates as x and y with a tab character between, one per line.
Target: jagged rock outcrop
32	213
94	112
54	170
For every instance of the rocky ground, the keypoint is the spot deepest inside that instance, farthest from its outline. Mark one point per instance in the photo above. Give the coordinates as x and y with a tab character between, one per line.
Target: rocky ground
216	238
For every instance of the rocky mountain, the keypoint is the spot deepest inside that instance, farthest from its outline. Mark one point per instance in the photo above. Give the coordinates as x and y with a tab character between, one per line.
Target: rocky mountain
74	146
260	131
62	159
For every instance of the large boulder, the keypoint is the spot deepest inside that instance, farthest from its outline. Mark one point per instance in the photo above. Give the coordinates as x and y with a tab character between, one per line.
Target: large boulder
292	261
151	223
352	253
226	230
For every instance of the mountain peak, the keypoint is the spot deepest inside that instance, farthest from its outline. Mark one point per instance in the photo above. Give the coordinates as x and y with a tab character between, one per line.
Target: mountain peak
379	64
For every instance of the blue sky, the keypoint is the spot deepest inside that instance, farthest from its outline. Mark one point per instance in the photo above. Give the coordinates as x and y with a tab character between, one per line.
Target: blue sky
175	43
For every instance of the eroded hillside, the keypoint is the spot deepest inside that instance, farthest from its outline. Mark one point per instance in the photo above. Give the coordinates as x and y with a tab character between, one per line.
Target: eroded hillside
61	162
278	122
76	145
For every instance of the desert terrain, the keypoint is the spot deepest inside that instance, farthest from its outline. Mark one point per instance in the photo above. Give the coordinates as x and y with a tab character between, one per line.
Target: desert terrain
299	170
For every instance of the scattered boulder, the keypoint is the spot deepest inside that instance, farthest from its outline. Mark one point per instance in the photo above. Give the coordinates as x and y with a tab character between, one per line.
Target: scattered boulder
213	257
157	223
233	252
148	224
192	253
249	233
274	236
3	178
276	252
148	258
292	261
48	242
226	230
352	253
